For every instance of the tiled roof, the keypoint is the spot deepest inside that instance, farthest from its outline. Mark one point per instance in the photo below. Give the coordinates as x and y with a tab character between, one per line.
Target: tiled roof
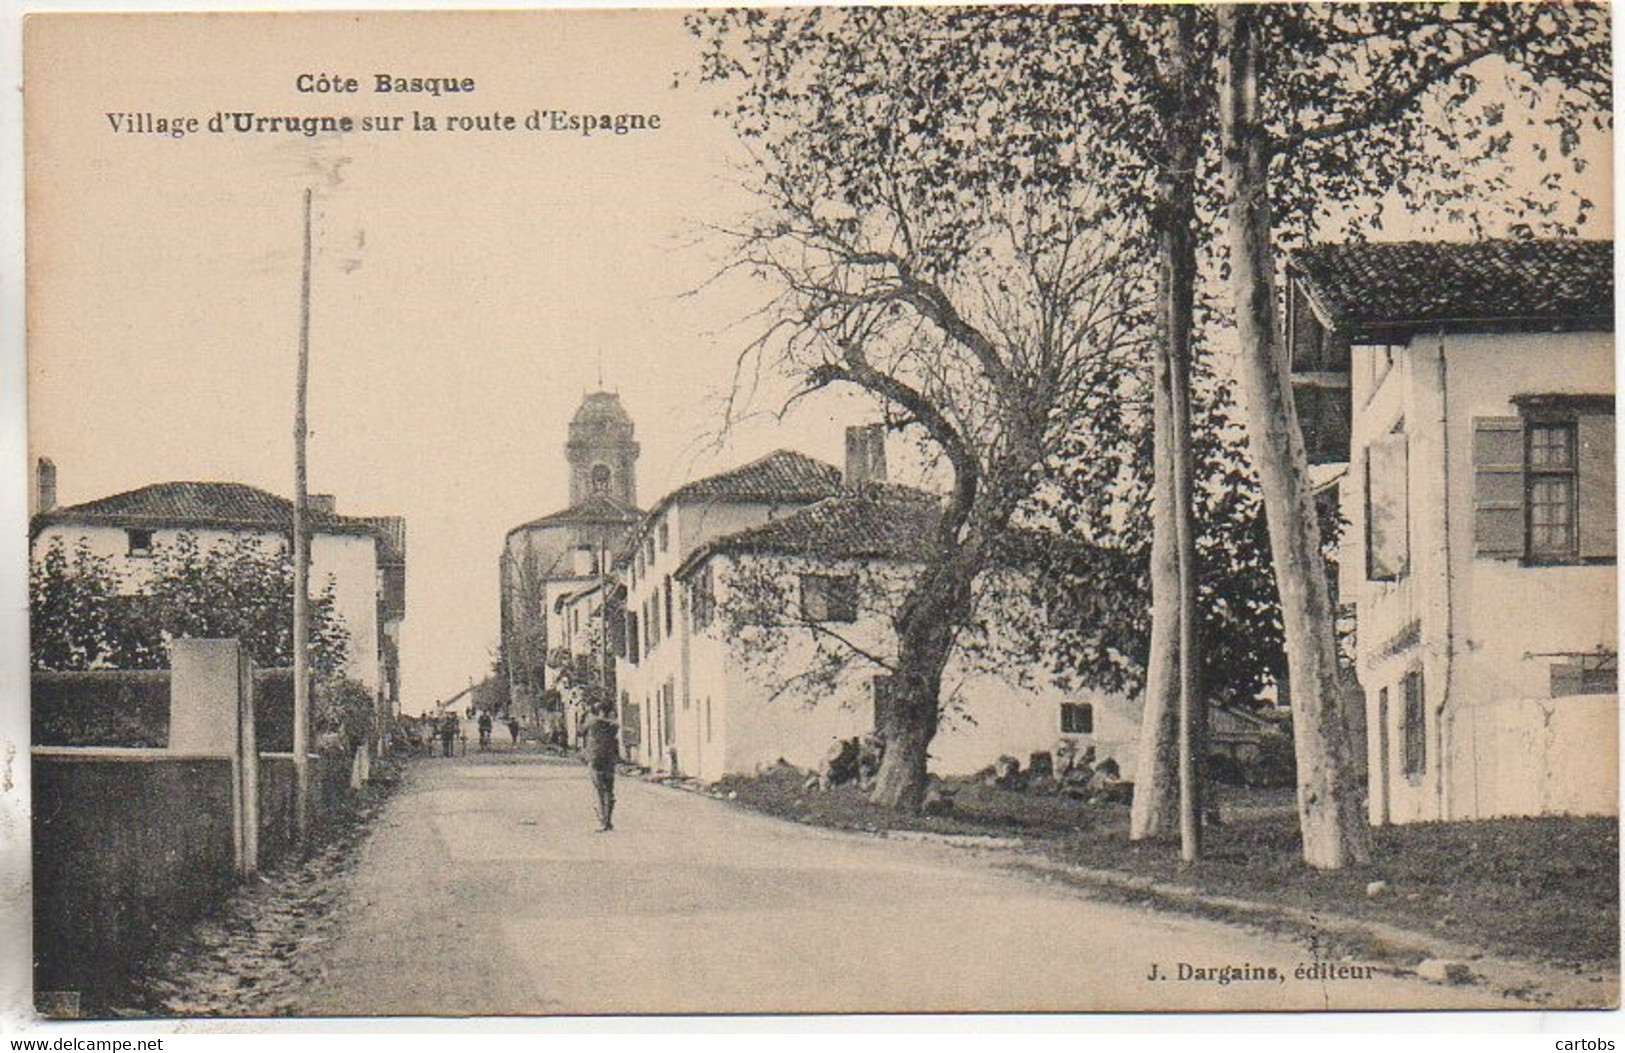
845	527
783	475
598	508
1549	284
191	504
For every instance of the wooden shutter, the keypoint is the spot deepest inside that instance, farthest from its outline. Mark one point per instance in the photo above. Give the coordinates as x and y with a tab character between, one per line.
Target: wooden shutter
1596	486
1498	528
1387	509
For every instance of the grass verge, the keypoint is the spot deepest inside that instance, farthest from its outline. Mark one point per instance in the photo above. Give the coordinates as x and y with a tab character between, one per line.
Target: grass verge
1542	889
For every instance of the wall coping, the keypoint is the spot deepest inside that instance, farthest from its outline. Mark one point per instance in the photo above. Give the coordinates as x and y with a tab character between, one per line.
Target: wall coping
124	753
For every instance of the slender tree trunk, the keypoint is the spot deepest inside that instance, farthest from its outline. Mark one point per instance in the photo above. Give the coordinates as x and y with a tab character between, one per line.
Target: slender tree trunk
1177	248
1329	807
1175	742
1156	788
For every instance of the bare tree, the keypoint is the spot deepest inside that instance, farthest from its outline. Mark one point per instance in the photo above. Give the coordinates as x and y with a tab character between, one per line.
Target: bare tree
987	309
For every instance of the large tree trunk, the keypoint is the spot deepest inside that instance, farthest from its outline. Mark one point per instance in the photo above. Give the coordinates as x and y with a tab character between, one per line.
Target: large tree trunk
1329	801
925	639
1174	722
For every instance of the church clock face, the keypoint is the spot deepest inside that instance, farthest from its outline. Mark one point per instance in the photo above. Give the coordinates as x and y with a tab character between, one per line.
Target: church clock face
600	478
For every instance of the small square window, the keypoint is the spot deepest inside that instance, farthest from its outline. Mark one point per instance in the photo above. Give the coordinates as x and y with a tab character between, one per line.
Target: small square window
829	597
140	542
1077	718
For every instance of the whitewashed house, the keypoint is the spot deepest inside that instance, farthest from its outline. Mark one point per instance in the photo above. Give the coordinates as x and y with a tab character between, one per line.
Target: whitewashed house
1470	390
758	622
364	557
577	643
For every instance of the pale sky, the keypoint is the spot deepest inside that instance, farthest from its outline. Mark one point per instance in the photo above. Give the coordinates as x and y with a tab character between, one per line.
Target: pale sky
466	285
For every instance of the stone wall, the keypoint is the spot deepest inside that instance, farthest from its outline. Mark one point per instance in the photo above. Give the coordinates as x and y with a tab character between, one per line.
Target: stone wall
130	846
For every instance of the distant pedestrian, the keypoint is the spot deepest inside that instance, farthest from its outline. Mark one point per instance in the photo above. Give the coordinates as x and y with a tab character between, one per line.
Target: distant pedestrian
601	750
485	732
448	731
513	729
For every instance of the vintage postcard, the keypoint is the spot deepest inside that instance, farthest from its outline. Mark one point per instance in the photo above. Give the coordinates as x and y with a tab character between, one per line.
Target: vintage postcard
990	509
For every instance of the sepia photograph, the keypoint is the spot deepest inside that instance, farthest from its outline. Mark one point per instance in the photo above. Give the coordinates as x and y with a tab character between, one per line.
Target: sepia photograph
990	509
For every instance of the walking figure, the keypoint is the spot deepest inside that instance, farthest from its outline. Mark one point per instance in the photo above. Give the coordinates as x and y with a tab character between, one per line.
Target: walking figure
602	749
448	731
485	732
513	729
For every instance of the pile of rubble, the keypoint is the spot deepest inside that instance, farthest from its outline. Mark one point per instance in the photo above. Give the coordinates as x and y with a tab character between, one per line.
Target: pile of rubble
1079	776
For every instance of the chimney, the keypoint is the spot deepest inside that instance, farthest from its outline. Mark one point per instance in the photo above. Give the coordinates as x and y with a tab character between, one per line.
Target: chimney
321	504
45	485
865	454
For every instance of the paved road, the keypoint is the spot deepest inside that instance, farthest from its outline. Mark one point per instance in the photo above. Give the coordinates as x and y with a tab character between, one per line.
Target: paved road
486	891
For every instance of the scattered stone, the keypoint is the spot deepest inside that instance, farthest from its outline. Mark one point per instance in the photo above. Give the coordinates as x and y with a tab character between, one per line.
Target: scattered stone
1442	971
1007	774
1375	889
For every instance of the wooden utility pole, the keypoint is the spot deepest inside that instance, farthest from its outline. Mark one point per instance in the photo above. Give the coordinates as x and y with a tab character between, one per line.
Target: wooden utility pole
301	563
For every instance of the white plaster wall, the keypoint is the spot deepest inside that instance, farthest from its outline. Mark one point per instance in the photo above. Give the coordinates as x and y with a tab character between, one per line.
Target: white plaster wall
690	525
754	724
1525	757
352	561
1484	622
114	542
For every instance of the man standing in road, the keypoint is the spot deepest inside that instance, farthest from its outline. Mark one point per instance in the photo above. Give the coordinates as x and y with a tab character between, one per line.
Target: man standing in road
602	748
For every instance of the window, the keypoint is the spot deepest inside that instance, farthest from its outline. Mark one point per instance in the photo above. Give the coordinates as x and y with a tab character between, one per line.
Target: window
1413	732
702	598
1077	718
665	534
633	648
829	597
600	478
140	542
668	605
1551	491
1543	482
1387	508
631	722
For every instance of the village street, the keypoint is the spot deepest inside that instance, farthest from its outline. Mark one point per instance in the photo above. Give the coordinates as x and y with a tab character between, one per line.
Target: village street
485	890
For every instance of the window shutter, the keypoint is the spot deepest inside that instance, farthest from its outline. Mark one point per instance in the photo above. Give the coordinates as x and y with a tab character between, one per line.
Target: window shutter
1498	487
1596	486
1387	509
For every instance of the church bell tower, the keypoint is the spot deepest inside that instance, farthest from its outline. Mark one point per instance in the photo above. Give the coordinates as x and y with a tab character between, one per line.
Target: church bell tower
602	453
